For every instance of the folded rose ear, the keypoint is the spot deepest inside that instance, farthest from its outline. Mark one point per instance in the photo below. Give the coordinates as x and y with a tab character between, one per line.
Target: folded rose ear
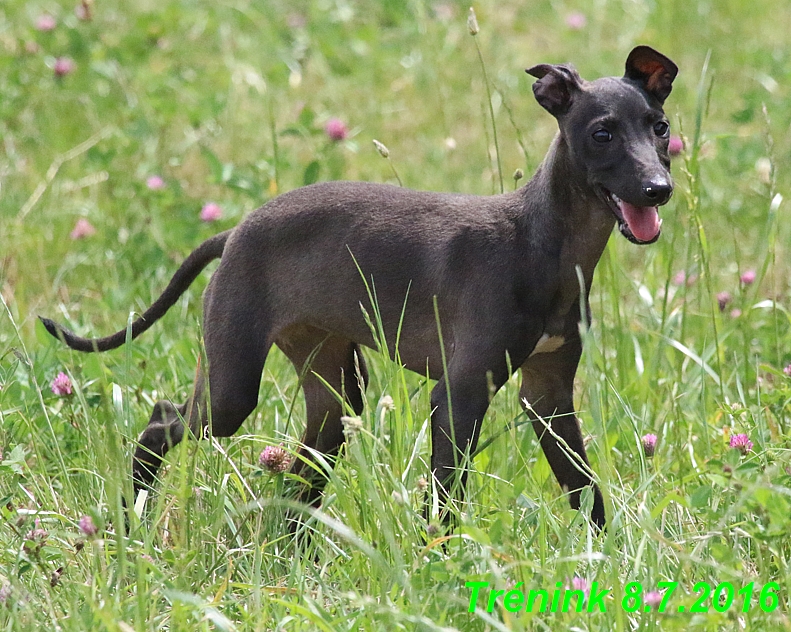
555	87
653	70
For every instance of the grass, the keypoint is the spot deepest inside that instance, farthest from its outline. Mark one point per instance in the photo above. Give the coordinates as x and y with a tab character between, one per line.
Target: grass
227	102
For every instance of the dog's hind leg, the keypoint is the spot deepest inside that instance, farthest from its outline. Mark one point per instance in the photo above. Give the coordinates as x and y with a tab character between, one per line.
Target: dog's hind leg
165	430
340	364
236	349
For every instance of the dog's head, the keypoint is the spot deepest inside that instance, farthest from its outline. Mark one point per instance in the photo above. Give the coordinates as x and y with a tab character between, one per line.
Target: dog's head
617	134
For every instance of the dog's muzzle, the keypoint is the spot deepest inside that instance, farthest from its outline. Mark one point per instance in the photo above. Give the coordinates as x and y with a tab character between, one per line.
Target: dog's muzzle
639	224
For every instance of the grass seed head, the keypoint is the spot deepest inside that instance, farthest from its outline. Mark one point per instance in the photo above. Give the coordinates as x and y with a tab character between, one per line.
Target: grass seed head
384	152
472	23
351	425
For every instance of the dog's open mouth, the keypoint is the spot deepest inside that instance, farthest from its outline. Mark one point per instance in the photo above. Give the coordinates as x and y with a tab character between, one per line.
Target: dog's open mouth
639	224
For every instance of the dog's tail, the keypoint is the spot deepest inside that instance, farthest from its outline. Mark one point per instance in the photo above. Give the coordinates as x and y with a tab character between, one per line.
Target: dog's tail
193	265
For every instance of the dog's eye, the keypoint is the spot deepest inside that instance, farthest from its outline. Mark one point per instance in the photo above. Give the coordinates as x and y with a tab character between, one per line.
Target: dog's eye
662	129
602	136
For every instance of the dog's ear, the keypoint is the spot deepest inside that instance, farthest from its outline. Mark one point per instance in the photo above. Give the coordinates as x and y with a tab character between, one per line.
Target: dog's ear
555	87
653	70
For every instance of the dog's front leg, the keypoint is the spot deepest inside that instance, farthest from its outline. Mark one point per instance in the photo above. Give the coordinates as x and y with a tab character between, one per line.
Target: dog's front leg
456	424
547	389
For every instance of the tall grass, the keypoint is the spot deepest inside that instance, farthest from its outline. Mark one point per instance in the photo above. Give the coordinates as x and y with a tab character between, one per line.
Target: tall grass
228	103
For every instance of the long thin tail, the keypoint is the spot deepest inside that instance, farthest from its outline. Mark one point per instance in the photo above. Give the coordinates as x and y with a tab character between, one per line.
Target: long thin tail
198	259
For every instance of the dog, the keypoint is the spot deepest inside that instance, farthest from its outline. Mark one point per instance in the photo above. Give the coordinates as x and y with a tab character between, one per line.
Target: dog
503	276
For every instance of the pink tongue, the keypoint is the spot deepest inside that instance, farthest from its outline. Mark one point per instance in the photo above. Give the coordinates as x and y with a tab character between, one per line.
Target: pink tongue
643	221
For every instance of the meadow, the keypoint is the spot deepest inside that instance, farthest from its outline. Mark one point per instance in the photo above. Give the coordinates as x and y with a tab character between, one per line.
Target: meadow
131	132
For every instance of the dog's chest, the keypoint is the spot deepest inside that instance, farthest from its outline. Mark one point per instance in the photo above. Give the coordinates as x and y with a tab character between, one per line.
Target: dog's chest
548	344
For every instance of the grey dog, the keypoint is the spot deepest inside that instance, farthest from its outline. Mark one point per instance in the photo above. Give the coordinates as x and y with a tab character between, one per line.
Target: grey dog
500	274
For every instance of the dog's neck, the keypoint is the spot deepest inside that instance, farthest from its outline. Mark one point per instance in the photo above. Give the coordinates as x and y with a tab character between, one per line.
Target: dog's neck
560	200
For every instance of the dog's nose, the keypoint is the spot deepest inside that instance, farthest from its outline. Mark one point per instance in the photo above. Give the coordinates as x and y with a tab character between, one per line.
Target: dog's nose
658	191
